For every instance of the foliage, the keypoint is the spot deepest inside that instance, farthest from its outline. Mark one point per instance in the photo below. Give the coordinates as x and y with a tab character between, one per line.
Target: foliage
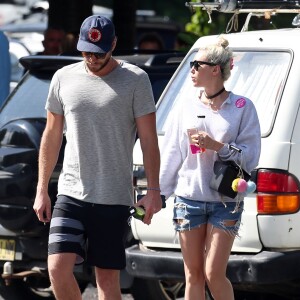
202	23
195	23
176	11
199	23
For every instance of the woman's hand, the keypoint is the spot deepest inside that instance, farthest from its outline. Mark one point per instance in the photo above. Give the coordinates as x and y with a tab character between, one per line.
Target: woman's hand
203	140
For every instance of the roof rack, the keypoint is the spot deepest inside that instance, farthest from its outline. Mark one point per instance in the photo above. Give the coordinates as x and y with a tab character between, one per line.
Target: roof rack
243	6
259	8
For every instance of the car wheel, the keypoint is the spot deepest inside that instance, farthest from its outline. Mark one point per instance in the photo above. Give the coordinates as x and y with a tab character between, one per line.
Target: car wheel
31	289
19	289
146	289
240	295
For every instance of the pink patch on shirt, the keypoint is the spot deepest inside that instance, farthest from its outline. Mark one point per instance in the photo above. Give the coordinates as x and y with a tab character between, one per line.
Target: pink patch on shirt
240	102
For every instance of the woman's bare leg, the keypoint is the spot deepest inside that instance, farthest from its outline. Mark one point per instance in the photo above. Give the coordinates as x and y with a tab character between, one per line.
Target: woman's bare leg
193	247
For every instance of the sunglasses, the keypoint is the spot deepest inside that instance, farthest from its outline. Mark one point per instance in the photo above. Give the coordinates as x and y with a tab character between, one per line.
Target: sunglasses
197	63
97	55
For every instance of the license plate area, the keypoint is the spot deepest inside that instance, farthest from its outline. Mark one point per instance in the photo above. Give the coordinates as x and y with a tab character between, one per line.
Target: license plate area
7	249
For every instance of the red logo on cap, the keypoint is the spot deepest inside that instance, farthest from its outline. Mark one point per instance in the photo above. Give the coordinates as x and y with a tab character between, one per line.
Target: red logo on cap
95	35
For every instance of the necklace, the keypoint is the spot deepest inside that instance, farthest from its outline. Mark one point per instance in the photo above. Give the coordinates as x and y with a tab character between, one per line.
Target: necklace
216	94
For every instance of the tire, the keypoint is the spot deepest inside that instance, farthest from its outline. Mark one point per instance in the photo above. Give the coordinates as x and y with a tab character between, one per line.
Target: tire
30	289
19	289
239	295
146	289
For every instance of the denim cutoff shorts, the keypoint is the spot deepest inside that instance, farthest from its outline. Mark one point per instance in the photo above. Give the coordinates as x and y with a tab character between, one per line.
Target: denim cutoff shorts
189	214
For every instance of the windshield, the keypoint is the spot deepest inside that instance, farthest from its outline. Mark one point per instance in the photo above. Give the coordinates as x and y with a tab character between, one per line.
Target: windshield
27	100
260	76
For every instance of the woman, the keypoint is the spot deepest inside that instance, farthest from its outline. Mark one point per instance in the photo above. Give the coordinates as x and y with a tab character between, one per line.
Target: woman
206	220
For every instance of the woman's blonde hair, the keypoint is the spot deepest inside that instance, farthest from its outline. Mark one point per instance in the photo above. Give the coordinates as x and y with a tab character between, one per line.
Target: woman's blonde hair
220	54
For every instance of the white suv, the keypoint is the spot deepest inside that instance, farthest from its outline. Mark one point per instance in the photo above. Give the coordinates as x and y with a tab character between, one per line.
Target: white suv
266	258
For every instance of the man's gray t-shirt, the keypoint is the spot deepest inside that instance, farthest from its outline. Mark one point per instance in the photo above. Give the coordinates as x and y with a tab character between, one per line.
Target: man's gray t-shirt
100	130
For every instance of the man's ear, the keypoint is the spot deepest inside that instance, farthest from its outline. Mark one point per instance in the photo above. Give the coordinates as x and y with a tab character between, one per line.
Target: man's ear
114	43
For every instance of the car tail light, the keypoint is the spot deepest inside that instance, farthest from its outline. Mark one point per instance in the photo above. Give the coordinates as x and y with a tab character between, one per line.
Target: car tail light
278	192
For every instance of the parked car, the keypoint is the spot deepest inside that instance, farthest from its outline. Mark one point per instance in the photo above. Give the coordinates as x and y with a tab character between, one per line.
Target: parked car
29	29
23	239
4	67
16	51
265	260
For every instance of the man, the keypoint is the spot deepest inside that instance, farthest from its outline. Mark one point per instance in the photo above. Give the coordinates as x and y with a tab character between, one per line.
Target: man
4	67
53	40
99	102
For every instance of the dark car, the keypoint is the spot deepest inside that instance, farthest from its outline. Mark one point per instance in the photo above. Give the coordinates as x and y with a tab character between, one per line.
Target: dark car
23	240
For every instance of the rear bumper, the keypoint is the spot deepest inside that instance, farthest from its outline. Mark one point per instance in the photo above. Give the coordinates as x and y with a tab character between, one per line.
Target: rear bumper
264	268
151	264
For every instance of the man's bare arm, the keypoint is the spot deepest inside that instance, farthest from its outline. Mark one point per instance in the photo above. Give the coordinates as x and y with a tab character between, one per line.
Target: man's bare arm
48	155
146	126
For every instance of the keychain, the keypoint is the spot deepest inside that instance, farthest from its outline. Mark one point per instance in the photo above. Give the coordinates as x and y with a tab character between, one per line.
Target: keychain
240	185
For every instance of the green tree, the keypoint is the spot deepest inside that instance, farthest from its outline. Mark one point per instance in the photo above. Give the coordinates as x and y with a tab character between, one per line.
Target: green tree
203	23
199	22
228	22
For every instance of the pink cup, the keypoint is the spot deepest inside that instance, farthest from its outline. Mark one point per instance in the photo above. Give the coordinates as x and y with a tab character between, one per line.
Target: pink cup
194	148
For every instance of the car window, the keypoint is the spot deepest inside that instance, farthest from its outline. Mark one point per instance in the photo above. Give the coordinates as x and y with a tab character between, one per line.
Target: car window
158	87
260	76
27	100
16	50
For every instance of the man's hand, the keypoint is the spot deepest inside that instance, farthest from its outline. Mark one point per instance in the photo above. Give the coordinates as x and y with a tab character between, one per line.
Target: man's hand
152	204
42	207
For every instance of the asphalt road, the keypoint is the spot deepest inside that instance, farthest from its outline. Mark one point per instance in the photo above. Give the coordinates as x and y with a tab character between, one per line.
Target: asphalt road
90	293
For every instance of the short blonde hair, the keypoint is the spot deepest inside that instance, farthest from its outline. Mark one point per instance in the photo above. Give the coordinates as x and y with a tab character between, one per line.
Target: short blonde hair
220	54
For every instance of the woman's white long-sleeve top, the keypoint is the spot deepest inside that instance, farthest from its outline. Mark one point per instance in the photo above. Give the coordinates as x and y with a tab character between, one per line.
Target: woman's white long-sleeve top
188	175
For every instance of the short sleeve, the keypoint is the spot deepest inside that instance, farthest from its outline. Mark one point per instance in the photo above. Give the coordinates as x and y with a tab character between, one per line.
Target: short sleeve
143	103
53	102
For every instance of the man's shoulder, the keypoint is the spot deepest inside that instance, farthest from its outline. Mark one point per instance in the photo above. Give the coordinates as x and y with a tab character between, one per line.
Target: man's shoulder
71	68
131	67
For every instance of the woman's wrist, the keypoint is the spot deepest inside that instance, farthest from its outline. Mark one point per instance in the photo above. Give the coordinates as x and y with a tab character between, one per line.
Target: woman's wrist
153	189
218	146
